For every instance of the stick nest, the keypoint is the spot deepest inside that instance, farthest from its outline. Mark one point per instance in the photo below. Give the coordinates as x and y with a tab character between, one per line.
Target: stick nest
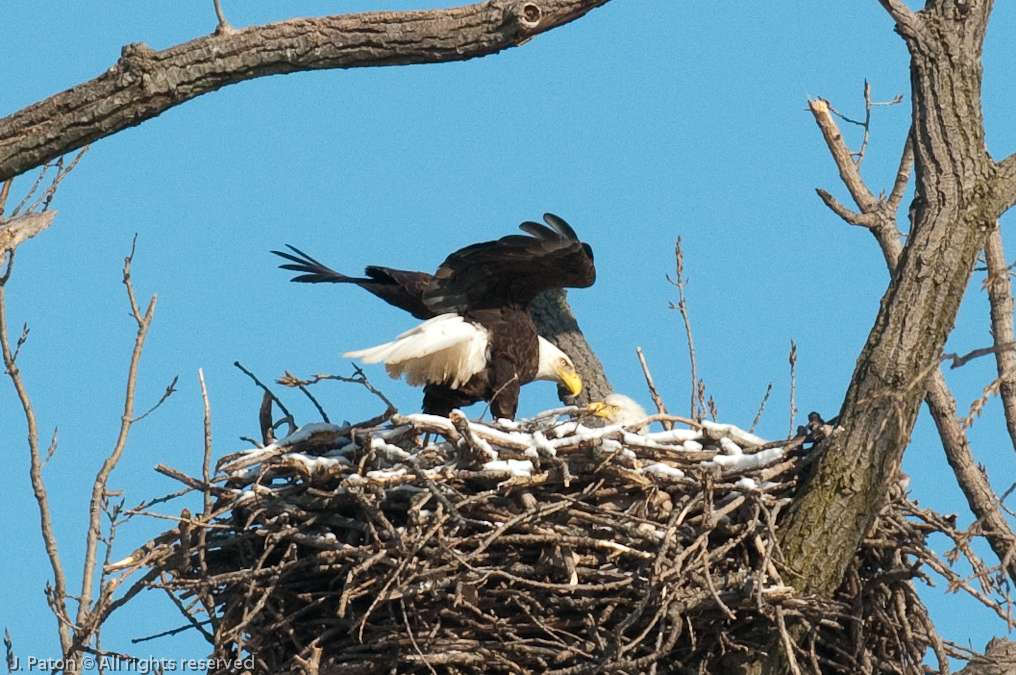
428	545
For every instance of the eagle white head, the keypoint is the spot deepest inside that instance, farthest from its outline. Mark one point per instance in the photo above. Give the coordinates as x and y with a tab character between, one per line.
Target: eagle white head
618	409
557	367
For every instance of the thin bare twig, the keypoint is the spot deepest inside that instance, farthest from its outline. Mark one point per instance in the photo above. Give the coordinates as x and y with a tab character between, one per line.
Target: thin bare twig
59	590
761	408
866	124
5	191
660	405
85	608
288	416
223	28
680	282
290	380
793	385
166	394
958	361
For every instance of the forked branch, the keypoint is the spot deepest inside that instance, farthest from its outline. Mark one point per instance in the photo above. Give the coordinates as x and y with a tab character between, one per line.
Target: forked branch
143	321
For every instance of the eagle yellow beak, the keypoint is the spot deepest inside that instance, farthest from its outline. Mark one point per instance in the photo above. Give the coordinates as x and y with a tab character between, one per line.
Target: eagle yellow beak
599	409
571	379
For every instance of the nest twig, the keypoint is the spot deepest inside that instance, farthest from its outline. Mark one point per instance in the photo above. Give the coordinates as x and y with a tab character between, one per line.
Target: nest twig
425	545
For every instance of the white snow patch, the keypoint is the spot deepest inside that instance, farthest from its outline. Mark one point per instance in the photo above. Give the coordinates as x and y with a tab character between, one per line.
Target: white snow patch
746	462
383	474
517	467
733	432
730	447
746	484
315	464
674	435
541	444
305	432
663	470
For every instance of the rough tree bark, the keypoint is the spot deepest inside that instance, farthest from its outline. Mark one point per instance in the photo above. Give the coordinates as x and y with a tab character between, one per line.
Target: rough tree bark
555	321
959	193
145	83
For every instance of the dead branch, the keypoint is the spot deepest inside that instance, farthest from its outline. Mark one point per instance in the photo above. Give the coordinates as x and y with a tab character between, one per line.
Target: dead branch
59	590
697	411
1000	298
660	406
145	83
86	615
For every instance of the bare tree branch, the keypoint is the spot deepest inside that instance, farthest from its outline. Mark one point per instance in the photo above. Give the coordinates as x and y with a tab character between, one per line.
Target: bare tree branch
661	407
223	28
1000	298
951	217
101	479
19	228
902	175
679	282
145	83
941	403
59	591
849	171
1006	187
906	21
859	219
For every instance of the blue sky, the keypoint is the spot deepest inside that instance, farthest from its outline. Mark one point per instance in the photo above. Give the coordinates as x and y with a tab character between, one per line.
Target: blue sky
638	123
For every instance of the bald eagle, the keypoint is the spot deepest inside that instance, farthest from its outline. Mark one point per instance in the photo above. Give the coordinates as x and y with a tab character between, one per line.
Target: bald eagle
618	409
478	341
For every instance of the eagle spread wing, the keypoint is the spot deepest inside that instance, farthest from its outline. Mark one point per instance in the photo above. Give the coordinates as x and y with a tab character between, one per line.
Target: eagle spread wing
400	288
512	270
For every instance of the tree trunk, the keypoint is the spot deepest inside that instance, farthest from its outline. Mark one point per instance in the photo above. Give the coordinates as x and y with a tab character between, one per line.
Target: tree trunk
555	321
957	198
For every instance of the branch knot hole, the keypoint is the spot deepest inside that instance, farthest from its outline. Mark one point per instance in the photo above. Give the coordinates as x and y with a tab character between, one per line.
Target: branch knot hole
530	15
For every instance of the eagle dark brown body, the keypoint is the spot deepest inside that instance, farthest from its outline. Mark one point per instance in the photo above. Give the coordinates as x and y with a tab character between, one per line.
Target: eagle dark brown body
490	285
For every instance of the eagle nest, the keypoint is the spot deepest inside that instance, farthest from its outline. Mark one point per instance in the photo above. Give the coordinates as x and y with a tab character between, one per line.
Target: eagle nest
430	545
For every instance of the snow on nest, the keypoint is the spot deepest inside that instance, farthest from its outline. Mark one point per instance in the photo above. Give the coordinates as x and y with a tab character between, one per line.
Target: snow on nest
513	451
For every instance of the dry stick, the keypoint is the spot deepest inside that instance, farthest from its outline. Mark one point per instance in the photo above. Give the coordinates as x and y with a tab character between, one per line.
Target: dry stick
206	475
289	417
102	477
866	124
1000	298
223	28
38	486
960	361
145	83
879	217
660	405
35	186
682	306
290	380
412	638
5	191
166	394
46	198
761	408
977	406
793	385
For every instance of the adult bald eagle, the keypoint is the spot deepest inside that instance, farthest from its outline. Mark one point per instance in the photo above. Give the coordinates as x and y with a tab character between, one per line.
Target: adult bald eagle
478	340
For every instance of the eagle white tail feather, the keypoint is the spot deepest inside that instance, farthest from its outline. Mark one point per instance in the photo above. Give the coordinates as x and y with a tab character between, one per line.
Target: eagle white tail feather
444	350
